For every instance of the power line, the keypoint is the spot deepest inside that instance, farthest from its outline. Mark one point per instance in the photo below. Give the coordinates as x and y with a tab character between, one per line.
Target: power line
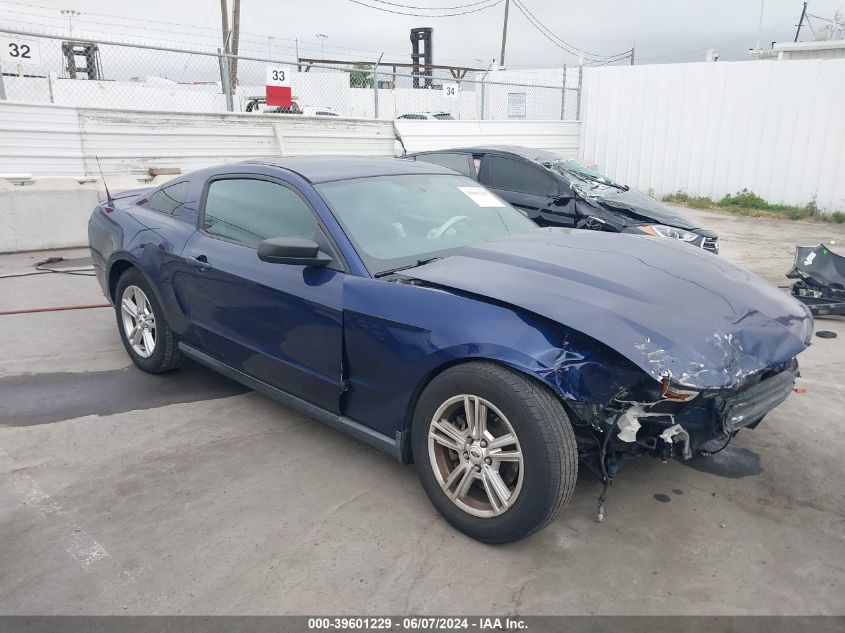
626	55
557	40
426	15
258	39
406	6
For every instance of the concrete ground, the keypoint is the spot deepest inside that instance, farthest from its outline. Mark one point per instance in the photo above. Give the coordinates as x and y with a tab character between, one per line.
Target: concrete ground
185	494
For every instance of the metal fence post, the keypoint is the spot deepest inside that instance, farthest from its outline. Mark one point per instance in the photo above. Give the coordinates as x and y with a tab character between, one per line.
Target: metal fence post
375	87
224	79
51	78
2	88
482	98
563	96
580	83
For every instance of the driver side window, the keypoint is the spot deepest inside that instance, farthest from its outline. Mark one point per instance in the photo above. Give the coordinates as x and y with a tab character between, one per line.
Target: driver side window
248	211
516	175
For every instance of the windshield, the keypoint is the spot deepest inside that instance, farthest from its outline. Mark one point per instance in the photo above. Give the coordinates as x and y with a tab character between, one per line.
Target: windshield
400	221
582	174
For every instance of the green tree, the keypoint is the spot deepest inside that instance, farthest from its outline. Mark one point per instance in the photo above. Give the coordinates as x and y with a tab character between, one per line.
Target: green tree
361	77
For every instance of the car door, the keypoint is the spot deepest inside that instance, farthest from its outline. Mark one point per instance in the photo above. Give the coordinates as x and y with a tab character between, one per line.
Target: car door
529	187
279	323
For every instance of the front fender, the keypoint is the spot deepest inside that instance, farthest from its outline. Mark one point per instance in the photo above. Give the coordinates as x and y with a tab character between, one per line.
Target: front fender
398	336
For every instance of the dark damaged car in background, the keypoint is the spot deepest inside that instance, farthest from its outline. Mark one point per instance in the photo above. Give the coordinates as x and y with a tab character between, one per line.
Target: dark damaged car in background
557	191
404	304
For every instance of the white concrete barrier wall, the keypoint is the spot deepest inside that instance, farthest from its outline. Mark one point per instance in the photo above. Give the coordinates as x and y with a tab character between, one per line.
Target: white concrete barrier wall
776	128
51	140
45	141
47	214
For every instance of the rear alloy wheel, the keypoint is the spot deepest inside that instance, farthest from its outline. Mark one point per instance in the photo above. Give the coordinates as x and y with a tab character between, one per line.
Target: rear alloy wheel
139	321
148	340
495	451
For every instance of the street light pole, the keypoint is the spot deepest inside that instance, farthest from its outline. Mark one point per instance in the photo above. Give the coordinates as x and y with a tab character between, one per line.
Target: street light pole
322	37
70	13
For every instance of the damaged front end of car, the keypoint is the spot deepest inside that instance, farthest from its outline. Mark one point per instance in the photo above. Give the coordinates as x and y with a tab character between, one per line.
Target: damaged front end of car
662	350
621	414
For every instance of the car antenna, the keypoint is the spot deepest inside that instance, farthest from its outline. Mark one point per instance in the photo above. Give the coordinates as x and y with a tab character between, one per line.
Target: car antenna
109	199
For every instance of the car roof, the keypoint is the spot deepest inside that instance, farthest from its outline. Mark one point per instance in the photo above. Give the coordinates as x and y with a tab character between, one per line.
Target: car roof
317	169
537	155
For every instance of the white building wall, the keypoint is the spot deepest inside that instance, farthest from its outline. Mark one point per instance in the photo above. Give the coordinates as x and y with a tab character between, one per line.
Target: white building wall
774	127
558	136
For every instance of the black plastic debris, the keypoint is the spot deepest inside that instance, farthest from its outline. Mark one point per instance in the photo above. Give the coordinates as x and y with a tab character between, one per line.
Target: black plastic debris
820	275
826	334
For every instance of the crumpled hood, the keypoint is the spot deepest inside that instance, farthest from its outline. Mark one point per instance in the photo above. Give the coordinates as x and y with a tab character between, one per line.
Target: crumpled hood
640	206
672	309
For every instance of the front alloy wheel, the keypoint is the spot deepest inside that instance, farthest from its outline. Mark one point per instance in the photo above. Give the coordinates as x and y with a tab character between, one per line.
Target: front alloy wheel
494	450
475	455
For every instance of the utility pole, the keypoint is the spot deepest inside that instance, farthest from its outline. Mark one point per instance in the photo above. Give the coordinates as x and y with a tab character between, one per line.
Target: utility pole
236	37
504	35
224	18
800	22
322	37
760	24
633	46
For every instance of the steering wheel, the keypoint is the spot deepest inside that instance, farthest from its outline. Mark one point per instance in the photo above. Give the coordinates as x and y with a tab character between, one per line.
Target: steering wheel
434	234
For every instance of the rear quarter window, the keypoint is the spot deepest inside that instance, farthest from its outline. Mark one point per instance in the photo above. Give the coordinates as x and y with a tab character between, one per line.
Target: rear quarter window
169	200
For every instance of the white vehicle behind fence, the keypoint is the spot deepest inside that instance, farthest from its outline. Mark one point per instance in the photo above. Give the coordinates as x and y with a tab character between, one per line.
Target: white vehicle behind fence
428	116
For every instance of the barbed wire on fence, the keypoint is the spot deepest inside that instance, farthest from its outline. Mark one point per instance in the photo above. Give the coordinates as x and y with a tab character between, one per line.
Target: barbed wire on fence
115	74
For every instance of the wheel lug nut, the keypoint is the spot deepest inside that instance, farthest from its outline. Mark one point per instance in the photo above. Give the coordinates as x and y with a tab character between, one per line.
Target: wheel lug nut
478	469
466	455
483	444
488	461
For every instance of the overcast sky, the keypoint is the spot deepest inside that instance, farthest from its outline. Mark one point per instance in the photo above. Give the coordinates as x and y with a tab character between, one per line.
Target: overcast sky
664	30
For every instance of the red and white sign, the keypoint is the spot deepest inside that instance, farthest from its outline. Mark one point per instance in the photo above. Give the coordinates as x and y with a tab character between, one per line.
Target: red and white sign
278	86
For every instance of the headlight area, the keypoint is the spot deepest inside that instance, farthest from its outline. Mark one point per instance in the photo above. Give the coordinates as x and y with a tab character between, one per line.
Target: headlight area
672	421
706	240
661	230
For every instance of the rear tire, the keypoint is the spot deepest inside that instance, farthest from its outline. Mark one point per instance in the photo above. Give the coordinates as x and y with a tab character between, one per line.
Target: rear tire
148	340
508	471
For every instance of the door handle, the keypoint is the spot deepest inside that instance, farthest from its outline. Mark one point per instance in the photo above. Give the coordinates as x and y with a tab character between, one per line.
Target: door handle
199	262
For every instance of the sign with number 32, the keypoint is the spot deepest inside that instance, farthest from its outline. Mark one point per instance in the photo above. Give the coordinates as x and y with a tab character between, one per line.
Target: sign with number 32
15	50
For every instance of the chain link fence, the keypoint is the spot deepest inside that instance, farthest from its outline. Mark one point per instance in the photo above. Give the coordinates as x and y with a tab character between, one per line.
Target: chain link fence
86	73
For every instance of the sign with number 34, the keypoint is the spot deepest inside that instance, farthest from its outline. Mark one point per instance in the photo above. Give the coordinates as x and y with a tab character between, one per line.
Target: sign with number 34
16	50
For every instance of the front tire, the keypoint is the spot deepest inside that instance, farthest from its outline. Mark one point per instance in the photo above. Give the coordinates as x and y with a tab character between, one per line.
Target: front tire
148	340
494	450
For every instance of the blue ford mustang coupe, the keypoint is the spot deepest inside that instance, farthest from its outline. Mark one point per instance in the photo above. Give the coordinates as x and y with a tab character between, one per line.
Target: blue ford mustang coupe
405	304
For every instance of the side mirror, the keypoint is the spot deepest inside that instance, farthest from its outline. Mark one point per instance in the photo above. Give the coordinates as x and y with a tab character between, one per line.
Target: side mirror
292	250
